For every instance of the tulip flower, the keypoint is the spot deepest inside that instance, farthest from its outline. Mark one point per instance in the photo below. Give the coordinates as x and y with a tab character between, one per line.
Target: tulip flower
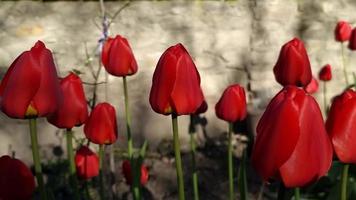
352	41
293	66
74	109
73	112
176	90
101	127
127	172
231	107
30	89
176	83
312	87
118	58
342	31
16	179
340	125
87	163
325	73
291	142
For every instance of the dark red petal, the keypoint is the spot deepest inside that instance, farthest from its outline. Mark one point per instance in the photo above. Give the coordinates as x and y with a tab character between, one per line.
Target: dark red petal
105	51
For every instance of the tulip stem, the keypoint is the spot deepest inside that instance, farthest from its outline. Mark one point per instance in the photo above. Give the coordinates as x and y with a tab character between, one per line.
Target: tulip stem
193	151
344	63
72	170
128	119
242	176
325	100
344	180
230	163
36	158
101	175
296	193
179	170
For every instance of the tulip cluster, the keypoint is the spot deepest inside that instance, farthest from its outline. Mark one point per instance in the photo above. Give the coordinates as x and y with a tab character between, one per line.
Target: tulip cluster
293	145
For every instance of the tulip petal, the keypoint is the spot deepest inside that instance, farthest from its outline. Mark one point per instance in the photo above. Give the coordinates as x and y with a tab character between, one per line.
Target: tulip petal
105	51
312	156
162	83
186	95
277	134
49	95
19	85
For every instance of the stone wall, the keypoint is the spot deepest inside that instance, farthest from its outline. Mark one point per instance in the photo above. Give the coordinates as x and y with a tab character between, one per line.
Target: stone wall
231	42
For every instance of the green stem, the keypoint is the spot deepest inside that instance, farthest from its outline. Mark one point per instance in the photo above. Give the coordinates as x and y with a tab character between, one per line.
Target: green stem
230	163
296	193
180	179
36	158
195	172
242	177
128	119
344	180
101	175
72	170
325	100
281	192
344	64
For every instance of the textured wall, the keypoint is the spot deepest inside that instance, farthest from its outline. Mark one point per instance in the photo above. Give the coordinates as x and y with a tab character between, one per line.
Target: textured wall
229	41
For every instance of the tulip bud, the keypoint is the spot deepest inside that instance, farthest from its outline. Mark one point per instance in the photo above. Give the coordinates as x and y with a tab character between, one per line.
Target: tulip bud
231	106
16	179
87	163
30	87
312	87
342	31
126	171
118	58
176	83
101	126
325	73
291	142
352	42
341	126
74	108
293	66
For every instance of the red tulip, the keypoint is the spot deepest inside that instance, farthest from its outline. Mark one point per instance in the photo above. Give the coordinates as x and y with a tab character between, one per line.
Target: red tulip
87	163
101	126
118	58
342	31
291	142
176	83
325	73
312	87
352	42
30	87
126	171
231	106
16	180
341	126
73	109
293	66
